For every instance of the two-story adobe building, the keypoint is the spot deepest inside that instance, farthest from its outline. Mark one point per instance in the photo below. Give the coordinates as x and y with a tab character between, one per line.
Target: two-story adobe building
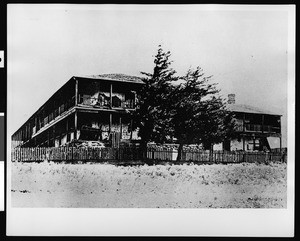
85	107
98	108
256	129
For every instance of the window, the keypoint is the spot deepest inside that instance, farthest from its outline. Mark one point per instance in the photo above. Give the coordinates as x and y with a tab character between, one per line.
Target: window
254	144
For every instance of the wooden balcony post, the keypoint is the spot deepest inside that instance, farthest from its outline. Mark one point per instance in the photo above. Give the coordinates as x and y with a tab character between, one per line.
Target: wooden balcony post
26	132
134	101
29	136
76	92
262	123
110	95
244	118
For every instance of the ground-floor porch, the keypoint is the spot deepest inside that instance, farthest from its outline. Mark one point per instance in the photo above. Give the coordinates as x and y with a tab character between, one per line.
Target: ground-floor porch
251	142
110	127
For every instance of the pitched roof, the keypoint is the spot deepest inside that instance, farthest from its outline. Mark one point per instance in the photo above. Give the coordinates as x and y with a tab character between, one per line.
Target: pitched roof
249	109
115	77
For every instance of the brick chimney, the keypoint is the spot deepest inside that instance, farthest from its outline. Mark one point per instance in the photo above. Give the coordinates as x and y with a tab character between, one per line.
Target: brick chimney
231	99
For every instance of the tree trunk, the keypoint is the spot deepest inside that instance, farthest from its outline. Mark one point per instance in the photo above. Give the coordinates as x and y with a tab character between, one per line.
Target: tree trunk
211	152
144	150
179	156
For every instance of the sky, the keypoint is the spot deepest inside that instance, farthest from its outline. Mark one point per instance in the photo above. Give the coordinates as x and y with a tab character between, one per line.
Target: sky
245	48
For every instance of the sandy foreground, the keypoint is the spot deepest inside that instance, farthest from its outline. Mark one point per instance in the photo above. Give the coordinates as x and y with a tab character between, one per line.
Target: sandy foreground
245	185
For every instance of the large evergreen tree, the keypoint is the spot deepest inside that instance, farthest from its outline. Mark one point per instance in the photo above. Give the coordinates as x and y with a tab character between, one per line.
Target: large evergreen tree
151	116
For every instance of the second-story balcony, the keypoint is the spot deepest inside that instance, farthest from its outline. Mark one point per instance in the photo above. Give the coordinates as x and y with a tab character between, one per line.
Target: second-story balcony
257	128
85	101
262	128
48	118
106	103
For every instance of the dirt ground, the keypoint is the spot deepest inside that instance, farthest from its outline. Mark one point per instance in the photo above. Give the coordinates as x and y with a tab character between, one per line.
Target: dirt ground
245	185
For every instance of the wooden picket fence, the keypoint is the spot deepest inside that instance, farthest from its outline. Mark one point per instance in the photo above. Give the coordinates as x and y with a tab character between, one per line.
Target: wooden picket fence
234	157
216	156
73	154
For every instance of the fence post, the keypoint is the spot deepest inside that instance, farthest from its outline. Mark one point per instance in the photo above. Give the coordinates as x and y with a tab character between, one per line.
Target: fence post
72	153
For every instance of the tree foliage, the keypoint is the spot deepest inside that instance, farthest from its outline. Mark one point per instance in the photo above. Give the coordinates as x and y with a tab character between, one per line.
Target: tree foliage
191	111
198	112
152	117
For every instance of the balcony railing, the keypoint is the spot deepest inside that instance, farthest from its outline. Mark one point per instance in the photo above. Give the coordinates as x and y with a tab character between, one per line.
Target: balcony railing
55	113
252	127
105	103
239	127
260	128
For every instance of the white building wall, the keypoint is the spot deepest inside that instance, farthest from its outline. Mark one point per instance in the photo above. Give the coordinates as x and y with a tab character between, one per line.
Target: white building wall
236	145
218	147
56	143
135	135
64	140
78	134
125	132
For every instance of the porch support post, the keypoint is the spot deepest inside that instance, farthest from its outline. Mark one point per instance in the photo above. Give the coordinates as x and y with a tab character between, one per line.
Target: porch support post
131	125
280	135
280	143
244	117
75	125
110	122
48	137
67	125
120	127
